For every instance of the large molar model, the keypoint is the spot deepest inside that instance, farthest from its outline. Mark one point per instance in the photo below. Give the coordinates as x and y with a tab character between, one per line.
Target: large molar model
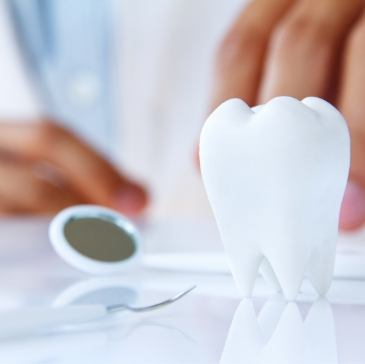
275	177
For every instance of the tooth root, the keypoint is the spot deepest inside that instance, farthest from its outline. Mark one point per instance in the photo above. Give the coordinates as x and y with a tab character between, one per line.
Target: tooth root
289	269
321	268
244	270
269	275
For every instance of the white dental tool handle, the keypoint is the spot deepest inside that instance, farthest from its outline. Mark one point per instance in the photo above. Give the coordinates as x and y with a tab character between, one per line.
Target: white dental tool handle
34	320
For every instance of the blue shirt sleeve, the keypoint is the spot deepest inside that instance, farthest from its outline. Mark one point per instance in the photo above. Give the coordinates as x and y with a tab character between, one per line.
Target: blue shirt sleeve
67	46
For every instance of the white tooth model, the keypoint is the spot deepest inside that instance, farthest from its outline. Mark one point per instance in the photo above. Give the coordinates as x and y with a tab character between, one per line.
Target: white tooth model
275	176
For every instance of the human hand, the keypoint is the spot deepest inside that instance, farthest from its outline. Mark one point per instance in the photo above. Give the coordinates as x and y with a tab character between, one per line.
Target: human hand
302	48
44	168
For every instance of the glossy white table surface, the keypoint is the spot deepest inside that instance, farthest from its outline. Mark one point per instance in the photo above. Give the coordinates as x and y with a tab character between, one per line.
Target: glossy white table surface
210	325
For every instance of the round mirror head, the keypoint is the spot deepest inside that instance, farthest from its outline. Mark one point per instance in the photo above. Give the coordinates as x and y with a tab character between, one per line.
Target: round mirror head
99	238
94	239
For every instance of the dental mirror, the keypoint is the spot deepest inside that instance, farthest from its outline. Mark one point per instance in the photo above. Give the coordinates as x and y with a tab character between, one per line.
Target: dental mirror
95	239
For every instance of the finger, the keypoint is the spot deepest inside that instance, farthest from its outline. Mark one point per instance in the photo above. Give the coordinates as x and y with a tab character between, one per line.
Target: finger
22	191
352	214
351	103
89	174
240	56
302	51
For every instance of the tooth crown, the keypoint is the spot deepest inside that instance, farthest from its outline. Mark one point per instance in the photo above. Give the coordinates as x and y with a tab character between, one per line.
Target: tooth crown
275	177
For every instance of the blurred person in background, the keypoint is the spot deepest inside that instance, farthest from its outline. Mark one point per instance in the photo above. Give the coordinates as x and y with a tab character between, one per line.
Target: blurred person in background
122	83
303	48
101	101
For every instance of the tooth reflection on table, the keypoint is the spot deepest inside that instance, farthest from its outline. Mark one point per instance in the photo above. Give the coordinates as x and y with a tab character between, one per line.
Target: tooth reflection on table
280	333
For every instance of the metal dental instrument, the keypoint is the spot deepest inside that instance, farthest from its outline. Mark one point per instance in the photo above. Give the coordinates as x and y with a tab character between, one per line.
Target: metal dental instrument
28	321
120	307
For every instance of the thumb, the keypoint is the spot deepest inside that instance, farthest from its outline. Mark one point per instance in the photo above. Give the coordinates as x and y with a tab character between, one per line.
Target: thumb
130	199
352	214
